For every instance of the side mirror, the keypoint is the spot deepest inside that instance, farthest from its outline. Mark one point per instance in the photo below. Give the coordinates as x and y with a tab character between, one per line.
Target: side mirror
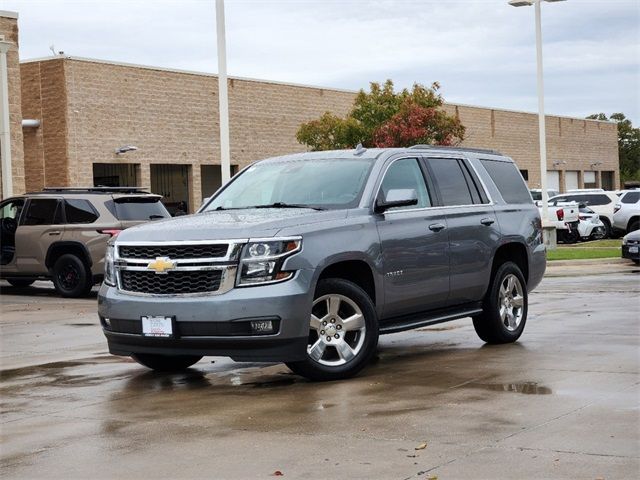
538	203
400	197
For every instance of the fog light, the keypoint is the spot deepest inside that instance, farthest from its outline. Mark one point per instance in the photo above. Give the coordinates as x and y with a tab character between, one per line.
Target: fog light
107	322
261	326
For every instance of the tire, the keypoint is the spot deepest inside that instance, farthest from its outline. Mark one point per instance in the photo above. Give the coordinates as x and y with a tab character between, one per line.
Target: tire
633	226
20	282
166	363
71	277
607	227
490	325
343	332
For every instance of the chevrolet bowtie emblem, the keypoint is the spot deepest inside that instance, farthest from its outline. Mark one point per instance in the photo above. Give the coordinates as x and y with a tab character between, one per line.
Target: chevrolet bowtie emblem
161	265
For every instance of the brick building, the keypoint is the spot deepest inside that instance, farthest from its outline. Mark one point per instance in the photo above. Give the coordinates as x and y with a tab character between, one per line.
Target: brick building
86	109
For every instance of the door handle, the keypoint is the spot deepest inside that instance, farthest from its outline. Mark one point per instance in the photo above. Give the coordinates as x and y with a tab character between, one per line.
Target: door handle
55	232
436	227
487	221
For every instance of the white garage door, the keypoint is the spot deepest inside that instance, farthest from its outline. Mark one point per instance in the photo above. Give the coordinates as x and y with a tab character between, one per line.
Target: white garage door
553	180
571	180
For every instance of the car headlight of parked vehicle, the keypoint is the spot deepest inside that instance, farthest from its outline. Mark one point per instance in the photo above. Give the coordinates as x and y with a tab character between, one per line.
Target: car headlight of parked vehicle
624	240
262	260
109	268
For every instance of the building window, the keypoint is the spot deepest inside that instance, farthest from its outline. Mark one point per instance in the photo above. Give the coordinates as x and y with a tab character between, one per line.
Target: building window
115	175
607	180
590	179
172	182
571	180
211	178
525	175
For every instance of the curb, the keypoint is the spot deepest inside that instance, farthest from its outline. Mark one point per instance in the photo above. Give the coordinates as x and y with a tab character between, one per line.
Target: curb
590	261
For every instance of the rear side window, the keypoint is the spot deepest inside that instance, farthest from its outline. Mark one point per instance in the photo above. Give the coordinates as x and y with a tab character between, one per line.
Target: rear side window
451	181
597	200
43	211
139	209
508	180
79	211
631	197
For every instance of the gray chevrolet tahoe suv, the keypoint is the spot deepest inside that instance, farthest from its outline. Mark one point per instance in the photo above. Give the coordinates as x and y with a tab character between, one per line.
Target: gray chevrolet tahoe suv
308	258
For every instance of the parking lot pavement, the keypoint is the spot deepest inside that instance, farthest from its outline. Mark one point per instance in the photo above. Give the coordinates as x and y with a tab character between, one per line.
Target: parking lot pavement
561	403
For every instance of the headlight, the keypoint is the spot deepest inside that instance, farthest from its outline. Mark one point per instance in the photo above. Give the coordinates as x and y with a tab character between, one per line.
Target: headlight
109	269
262	260
624	240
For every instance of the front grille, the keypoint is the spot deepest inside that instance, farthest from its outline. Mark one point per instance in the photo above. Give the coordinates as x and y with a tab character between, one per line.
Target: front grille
171	283
174	252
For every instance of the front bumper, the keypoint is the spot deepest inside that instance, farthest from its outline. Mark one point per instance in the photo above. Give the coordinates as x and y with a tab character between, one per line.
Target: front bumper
626	253
213	324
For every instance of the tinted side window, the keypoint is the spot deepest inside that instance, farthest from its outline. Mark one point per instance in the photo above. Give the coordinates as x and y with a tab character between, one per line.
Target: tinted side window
631	197
597	199
79	211
451	181
508	180
406	174
42	211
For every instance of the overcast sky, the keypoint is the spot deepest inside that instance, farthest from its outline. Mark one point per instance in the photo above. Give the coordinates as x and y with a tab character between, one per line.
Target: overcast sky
481	51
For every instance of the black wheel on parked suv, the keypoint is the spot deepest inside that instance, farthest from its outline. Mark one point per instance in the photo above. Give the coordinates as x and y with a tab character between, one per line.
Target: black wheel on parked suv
20	282
607	227
343	332
71	276
166	363
505	306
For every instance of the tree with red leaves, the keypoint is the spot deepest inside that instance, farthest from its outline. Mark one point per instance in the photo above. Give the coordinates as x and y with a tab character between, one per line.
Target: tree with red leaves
385	118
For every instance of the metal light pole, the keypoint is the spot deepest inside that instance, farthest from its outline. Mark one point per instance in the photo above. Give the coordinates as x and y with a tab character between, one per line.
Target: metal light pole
5	130
223	94
541	118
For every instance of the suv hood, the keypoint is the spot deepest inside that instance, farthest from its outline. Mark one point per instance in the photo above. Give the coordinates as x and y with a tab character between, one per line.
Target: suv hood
230	224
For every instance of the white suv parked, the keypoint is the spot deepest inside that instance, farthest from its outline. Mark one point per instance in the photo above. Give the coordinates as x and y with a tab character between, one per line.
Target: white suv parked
601	202
626	217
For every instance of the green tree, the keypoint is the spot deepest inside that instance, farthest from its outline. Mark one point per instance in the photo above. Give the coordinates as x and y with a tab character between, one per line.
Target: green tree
384	117
628	145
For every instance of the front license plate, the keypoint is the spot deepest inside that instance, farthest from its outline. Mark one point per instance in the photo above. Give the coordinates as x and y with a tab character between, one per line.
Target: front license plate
633	249
157	326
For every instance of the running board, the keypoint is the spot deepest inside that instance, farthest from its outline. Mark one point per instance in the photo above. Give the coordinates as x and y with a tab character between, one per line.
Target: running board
411	323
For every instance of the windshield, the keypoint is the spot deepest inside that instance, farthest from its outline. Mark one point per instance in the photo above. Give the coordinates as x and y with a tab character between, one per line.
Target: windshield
318	183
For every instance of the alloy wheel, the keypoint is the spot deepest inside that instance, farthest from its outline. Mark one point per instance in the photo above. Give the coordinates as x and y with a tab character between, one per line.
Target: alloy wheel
511	302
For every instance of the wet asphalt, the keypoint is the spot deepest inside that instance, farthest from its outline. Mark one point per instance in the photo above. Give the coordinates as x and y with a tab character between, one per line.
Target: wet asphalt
563	402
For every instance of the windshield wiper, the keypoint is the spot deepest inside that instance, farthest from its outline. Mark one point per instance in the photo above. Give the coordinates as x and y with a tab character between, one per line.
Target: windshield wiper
154	217
287	205
272	205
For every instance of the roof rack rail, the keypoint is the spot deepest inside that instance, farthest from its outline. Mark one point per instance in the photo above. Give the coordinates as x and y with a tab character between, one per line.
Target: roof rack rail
99	189
464	149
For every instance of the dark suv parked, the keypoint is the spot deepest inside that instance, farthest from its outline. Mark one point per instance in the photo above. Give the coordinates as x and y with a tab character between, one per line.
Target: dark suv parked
61	234
307	258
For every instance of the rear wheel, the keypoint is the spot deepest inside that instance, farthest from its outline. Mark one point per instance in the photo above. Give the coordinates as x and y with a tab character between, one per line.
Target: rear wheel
505	306
343	332
166	363
20	282
633	226
71	276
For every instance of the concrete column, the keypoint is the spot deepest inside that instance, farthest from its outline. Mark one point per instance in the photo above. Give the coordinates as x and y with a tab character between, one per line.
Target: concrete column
5	130
144	177
195	187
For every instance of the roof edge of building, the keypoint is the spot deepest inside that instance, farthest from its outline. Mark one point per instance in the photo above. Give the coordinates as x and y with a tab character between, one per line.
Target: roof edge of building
274	82
8	14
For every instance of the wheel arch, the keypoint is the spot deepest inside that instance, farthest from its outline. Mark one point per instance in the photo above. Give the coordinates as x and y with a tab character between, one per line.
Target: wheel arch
57	249
515	252
356	269
632	220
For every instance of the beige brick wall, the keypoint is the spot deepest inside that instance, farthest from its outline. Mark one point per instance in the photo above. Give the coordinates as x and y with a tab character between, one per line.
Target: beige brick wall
578	143
89	108
9	28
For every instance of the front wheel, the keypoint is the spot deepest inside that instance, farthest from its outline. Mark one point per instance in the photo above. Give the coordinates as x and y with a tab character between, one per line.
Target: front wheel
343	332
505	306
166	363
